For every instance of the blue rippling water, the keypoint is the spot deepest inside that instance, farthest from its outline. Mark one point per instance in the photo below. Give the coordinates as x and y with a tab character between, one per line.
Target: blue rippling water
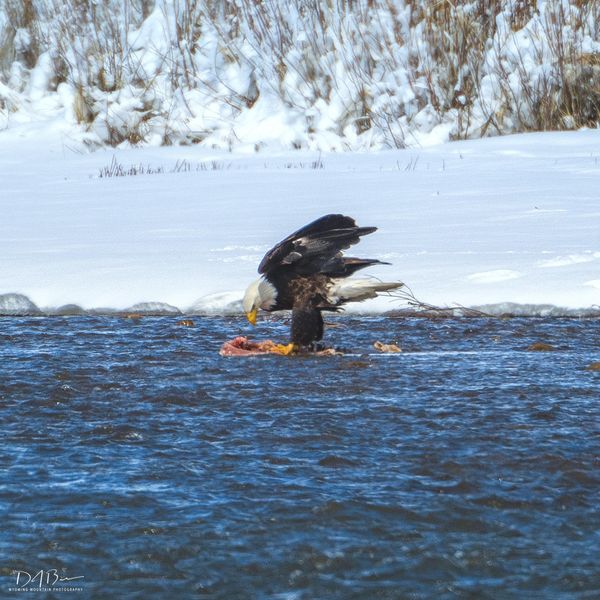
136	458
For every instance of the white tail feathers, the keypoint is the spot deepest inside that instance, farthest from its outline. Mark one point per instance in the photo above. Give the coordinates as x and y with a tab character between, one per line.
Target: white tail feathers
356	290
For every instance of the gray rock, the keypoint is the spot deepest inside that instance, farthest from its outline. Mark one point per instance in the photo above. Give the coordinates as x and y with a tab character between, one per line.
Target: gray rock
159	309
17	305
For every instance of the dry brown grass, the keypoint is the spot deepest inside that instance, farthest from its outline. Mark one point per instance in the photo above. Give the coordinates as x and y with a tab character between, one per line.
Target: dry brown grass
357	54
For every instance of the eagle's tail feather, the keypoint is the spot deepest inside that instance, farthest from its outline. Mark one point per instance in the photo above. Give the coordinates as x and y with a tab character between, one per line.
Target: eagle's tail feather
357	290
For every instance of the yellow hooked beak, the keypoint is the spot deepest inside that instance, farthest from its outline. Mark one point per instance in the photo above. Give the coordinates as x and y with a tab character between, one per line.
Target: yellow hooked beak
251	316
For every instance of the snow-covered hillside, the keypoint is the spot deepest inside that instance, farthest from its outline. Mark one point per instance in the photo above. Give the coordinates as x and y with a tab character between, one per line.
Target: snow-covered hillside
502	220
309	74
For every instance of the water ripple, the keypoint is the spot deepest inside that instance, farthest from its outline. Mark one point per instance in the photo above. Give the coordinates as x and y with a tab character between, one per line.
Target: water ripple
465	466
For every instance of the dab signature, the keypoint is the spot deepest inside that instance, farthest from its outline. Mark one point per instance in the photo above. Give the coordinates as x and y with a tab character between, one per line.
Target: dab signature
42	578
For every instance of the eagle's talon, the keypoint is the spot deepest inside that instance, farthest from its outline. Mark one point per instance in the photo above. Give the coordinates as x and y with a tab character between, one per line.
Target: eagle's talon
285	350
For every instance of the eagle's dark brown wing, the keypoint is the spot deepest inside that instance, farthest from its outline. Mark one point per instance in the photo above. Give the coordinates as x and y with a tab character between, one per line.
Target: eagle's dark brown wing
317	248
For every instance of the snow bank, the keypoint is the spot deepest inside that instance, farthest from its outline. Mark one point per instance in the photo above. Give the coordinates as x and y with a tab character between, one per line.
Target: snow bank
475	223
227	303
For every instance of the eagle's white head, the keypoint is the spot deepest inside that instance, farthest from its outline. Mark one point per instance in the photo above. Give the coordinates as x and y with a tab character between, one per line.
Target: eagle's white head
260	294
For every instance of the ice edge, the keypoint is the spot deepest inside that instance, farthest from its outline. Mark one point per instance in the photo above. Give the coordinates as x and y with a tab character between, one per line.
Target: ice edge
18	305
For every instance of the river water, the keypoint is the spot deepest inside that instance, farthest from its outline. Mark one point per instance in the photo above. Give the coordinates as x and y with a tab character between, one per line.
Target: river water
138	461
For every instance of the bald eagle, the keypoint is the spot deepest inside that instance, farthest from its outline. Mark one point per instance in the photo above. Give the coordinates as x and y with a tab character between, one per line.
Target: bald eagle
307	274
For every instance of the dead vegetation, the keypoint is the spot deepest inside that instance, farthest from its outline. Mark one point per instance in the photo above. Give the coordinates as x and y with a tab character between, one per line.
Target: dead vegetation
390	68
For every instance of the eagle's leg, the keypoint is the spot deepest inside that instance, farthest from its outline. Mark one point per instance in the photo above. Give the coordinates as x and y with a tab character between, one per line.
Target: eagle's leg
307	326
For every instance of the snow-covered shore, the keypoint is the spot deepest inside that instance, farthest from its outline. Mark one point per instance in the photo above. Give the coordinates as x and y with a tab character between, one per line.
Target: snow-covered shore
485	222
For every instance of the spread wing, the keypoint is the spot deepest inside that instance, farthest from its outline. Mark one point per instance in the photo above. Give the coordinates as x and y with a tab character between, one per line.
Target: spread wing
317	248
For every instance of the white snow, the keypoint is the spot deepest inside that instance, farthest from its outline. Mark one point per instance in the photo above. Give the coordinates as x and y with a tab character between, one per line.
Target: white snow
496	222
494	276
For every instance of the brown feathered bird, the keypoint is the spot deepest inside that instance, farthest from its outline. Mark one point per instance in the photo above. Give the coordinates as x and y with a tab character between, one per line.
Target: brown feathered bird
307	274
